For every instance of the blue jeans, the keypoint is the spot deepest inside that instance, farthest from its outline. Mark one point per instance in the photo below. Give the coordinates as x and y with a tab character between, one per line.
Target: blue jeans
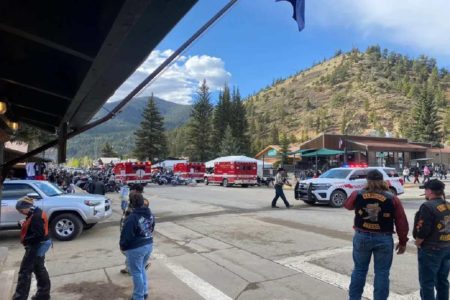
382	248
279	193
433	273
137	259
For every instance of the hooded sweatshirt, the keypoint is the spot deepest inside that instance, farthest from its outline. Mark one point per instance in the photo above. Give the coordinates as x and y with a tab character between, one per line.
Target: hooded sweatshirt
137	230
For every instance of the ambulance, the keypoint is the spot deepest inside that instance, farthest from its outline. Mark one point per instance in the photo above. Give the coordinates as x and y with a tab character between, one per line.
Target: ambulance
133	172
190	170
233	170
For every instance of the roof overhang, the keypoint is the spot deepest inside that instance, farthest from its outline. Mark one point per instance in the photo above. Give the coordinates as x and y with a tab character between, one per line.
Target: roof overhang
62	60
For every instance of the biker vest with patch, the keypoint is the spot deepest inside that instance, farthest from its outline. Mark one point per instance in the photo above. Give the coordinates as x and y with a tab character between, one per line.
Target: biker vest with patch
374	211
440	236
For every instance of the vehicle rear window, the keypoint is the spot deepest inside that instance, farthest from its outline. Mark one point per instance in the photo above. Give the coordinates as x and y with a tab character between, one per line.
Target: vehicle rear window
16	190
391	172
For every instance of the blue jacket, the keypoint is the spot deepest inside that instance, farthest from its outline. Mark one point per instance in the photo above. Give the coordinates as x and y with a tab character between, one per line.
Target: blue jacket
137	230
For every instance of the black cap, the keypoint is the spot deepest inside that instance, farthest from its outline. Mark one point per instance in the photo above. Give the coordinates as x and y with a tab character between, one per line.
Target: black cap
374	175
434	185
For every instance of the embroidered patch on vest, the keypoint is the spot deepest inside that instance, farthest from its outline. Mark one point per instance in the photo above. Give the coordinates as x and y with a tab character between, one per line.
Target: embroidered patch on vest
376	196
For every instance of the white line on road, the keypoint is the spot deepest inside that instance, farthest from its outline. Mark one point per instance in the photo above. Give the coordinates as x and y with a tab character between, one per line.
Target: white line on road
302	264
201	287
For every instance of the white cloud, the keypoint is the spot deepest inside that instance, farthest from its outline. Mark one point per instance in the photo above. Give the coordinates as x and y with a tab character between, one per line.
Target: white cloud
421	24
179	82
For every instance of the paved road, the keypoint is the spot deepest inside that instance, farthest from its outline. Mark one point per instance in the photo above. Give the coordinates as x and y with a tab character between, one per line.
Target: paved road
219	243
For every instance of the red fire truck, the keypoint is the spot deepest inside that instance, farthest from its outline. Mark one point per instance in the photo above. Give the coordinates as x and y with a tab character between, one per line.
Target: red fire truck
133	172
229	171
190	170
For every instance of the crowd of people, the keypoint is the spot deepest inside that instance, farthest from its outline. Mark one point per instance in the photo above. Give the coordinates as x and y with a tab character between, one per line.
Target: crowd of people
426	172
378	215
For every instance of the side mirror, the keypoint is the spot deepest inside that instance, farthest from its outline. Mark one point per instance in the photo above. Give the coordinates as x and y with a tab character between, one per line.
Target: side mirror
34	195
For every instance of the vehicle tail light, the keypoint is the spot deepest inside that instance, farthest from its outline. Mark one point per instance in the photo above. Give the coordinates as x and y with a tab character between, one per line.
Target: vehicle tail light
402	182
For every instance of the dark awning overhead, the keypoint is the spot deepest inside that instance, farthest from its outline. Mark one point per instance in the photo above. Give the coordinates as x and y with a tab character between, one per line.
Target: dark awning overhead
61	60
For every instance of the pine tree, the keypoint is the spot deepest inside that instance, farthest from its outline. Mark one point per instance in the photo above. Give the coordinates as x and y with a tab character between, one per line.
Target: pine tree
426	119
230	145
274	137
221	118
200	126
151	141
239	123
284	148
108	150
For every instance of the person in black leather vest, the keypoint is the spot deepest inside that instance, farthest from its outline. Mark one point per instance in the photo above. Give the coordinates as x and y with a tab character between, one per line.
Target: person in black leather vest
432	234
376	212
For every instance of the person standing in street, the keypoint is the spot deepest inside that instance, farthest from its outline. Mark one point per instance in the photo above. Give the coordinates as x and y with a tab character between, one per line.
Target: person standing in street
136	239
406	174
376	212
426	174
432	234
127	209
34	237
416	175
280	180
99	187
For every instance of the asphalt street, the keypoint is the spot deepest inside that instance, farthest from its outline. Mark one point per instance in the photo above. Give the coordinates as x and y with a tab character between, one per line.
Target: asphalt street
215	243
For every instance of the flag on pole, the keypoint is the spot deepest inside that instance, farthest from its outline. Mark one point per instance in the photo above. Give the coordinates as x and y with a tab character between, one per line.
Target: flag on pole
299	12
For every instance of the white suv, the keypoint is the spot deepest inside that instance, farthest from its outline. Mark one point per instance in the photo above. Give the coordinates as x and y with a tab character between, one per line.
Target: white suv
335	185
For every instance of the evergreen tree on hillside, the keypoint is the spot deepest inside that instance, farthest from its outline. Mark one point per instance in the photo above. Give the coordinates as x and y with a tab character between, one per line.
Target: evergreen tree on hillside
284	148
108	151
222	117
200	126
151	141
230	145
239	123
426	119
274	136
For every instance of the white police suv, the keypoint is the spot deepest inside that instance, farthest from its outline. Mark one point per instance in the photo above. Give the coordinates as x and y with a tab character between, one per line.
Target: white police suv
335	186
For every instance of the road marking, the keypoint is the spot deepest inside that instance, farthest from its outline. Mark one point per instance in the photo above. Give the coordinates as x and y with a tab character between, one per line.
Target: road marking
201	287
302	264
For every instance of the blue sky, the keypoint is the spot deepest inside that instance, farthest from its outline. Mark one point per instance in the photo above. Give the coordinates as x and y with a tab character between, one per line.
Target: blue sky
258	41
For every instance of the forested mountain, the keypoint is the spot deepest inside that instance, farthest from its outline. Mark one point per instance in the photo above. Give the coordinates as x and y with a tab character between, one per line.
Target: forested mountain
375	92
119	131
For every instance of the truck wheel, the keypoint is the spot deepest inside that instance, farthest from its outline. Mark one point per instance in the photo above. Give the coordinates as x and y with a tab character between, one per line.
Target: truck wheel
337	199
245	185
206	181
66	227
225	183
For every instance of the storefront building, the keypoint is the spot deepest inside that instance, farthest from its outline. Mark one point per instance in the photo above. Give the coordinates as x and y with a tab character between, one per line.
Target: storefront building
373	151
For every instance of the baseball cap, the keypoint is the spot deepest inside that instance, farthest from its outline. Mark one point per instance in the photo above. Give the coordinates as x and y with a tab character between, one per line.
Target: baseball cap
24	203
434	185
374	175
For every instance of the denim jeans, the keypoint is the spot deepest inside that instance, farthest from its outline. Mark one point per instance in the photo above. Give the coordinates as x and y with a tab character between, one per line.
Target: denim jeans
279	193
433	273
137	259
382	248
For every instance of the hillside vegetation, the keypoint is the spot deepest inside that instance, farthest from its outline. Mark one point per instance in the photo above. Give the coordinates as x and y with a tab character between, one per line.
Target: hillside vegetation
365	93
119	132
